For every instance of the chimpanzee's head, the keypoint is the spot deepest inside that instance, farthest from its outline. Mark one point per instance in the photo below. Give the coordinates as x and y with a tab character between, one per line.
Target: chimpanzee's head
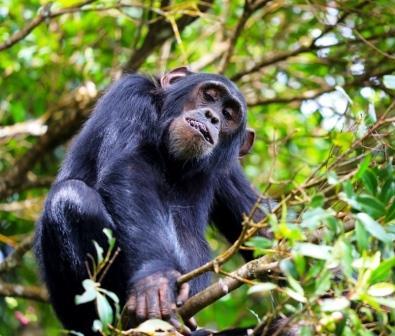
205	112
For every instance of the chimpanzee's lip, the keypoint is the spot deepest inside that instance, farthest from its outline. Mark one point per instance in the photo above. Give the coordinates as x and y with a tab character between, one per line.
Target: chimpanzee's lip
201	128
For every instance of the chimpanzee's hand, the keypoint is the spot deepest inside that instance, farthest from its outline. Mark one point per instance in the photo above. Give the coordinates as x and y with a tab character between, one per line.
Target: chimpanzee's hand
155	296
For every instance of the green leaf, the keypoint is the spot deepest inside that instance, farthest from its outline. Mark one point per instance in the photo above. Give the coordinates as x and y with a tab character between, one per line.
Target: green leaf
151	327
390	212
370	181
361	236
288	268
18	111
387	191
371	205
300	263
323	283
99	252
348	189
262	288
111	295
104	310
337	304
110	238
343	140
317	201
323	252
259	242
294	295
89	294
295	285
388	302
306	331
381	289
389	81
383	271
97	326
312	218
114	298
373	227
363	166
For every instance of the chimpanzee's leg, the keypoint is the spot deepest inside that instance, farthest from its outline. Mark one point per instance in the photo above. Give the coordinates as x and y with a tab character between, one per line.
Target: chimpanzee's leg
74	215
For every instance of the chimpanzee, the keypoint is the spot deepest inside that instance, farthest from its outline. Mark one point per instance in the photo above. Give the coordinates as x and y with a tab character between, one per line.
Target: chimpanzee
156	162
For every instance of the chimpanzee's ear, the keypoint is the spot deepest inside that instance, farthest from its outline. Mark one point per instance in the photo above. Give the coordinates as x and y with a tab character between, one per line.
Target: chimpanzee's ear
173	75
249	138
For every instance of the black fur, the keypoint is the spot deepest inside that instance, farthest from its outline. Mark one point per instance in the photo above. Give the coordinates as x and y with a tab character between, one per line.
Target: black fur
118	174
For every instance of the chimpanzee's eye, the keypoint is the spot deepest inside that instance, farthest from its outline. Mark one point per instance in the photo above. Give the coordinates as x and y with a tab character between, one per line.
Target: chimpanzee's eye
227	112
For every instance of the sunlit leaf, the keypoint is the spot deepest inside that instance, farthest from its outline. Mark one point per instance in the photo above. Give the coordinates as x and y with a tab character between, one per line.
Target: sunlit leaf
104	310
97	325
381	289
154	325
389	81
99	252
383	271
373	227
90	292
262	288
337	304
294	295
314	251
110	238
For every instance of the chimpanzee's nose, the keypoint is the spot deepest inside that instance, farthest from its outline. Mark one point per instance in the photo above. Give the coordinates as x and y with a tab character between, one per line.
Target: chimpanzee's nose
211	116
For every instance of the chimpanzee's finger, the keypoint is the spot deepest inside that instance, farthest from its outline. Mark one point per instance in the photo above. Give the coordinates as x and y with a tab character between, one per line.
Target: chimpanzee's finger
183	294
153	306
141	310
183	329
191	323
131	304
166	298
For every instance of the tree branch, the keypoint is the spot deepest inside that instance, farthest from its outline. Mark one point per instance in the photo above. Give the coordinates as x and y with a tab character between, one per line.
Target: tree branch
26	292
250	270
159	31
250	7
44	15
15	257
282	56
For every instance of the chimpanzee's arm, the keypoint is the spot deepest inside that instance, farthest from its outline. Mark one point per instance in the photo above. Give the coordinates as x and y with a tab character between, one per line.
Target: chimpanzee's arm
145	231
234	197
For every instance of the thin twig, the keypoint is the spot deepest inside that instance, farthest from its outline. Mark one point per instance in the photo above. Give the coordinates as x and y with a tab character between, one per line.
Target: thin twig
16	256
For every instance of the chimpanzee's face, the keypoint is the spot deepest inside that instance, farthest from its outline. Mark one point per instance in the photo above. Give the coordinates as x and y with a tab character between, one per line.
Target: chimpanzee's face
210	112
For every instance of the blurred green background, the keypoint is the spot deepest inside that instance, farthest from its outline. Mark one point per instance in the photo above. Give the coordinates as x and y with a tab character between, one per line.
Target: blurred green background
316	75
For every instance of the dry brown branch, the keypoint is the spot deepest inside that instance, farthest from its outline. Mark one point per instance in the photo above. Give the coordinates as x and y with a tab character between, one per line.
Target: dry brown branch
31	127
282	56
44	15
315	94
246	233
26	292
62	122
250	270
160	31
250	7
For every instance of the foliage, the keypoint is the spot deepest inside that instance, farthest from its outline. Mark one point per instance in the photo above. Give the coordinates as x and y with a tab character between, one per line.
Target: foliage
319	79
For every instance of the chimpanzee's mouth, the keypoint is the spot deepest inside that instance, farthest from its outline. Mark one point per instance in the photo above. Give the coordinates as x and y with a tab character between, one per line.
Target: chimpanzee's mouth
202	128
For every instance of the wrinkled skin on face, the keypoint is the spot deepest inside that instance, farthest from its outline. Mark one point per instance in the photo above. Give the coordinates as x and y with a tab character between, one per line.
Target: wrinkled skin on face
210	113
